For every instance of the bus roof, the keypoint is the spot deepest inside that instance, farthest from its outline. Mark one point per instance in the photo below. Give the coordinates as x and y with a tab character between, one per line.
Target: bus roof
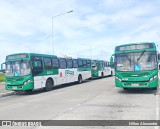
100	60
83	58
16	56
129	44
136	47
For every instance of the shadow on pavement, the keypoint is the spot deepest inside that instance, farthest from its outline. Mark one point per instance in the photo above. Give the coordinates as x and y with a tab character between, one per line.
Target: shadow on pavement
42	90
138	91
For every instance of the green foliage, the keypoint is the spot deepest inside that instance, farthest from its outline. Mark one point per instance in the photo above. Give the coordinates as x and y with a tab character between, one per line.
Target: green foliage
2	77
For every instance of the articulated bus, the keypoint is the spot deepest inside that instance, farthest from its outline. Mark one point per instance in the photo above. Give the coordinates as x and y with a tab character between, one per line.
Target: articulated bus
136	66
29	71
101	68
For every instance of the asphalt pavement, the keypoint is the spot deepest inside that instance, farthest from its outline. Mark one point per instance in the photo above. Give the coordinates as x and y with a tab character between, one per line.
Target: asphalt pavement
97	99
3	92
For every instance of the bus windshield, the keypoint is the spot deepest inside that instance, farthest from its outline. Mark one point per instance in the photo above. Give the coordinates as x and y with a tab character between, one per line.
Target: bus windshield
138	61
18	68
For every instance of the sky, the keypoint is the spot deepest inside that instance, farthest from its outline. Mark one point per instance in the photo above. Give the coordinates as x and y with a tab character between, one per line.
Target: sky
92	30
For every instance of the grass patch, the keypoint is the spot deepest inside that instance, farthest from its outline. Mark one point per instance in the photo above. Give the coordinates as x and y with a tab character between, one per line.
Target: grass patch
2	77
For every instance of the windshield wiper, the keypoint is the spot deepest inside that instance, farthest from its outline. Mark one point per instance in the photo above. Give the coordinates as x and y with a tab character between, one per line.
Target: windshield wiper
141	55
126	56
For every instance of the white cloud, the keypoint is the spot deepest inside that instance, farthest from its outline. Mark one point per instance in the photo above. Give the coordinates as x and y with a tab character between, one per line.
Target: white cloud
26	26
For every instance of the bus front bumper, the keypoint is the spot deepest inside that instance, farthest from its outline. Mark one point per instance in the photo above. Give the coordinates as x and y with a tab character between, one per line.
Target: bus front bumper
152	84
28	86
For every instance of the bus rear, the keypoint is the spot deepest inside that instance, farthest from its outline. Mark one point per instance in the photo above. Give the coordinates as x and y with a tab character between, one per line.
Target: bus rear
101	68
136	66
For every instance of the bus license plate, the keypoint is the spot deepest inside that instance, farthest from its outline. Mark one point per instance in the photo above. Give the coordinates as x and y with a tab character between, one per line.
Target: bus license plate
14	88
134	84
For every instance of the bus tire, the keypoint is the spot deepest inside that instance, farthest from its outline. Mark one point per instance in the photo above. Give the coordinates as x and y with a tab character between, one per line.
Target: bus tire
125	89
102	75
79	79
111	74
28	91
49	84
90	78
155	88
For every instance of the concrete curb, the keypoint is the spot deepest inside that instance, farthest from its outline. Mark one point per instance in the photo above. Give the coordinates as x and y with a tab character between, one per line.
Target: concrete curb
7	94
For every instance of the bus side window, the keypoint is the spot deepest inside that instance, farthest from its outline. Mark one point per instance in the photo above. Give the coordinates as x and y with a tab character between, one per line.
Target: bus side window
105	64
75	63
88	64
37	66
80	64
55	63
47	63
62	63
69	63
101	65
84	63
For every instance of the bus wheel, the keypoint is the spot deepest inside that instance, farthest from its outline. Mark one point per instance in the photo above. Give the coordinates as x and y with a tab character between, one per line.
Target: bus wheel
28	91
111	73
155	88
49	84
90	78
125	88
79	79
102	75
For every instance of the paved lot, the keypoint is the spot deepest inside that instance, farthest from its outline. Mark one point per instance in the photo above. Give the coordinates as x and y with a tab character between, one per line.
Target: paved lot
93	100
2	88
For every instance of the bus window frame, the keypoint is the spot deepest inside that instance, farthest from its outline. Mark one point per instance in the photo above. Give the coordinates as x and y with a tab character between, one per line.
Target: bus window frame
80	65
88	63
36	70
55	67
71	61
45	66
76	63
61	62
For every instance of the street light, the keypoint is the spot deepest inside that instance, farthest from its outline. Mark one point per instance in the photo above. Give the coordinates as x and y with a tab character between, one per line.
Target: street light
52	24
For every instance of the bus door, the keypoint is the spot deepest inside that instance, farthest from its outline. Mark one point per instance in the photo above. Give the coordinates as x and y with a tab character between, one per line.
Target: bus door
37	70
62	79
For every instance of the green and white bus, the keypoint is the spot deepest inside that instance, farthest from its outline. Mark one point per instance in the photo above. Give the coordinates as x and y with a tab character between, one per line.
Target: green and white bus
29	71
101	68
112	64
136	66
159	61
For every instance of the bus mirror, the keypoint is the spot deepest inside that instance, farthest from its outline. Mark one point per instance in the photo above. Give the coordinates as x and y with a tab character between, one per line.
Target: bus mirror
112	62
3	70
159	56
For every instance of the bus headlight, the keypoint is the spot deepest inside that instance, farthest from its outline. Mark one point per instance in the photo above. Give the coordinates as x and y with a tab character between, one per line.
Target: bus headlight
27	82
152	78
118	79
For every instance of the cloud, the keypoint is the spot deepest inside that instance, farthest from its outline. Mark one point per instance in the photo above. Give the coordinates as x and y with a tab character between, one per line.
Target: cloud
26	26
